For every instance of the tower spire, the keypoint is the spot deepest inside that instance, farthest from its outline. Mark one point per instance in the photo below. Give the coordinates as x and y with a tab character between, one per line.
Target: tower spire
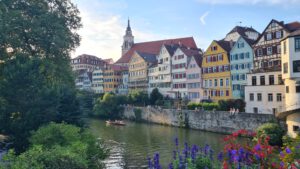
128	39
128	25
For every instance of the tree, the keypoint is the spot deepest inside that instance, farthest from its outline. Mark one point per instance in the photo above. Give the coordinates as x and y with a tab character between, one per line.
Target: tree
138	98
273	130
59	146
110	106
155	97
36	80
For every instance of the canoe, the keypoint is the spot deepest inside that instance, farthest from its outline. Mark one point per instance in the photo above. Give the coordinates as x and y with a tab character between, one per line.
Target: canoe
117	122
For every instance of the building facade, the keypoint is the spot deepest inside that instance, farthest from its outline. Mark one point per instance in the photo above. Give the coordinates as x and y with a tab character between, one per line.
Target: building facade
265	93
97	81
180	60
112	77
160	74
194	80
216	71
138	70
291	69
237	31
123	88
87	62
83	80
241	62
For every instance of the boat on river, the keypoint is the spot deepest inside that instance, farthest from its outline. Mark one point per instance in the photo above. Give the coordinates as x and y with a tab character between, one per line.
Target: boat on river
116	122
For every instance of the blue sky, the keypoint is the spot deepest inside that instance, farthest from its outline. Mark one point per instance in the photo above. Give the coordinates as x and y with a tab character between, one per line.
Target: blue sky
104	21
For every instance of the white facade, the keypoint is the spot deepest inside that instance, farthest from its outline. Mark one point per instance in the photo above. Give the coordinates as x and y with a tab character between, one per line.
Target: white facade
291	71
160	75
194	80
179	65
264	93
83	81
97	84
293	124
123	88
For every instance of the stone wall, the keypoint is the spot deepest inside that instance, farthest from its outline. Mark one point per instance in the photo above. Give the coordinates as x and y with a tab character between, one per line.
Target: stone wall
214	121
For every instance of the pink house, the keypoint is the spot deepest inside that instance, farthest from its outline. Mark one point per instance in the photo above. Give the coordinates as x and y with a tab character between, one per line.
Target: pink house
194	80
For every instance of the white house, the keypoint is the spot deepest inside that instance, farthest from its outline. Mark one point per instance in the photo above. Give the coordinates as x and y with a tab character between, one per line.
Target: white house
97	84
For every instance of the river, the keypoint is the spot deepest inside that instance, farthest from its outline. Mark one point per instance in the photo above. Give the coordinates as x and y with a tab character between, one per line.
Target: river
132	144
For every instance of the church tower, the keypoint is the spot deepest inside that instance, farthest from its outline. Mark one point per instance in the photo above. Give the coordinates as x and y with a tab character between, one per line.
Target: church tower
128	39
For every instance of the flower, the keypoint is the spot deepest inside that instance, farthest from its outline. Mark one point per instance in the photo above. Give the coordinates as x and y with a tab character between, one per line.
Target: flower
257	147
287	150
281	164
220	156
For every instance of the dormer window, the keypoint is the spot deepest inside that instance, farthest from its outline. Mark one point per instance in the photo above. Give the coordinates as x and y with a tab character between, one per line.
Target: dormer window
278	35
214	48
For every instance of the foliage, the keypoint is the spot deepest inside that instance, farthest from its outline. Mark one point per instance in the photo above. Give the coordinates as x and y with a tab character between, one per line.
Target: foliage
110	106
58	146
225	105
137	114
36	80
205	106
156	97
86	102
138	98
290	153
272	130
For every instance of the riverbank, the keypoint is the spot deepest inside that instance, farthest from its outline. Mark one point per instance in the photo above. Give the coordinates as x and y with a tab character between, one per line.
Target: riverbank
213	121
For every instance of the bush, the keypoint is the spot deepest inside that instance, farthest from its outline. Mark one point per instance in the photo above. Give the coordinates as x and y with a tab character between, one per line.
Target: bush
273	130
225	105
205	106
59	146
137	114
156	97
204	162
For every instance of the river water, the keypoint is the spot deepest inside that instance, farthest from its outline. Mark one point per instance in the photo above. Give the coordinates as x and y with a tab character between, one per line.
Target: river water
131	144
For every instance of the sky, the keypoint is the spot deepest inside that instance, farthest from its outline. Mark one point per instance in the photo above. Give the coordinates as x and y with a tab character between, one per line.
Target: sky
104	21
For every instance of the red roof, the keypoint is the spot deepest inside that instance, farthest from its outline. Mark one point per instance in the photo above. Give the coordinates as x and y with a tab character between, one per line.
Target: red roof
117	67
153	47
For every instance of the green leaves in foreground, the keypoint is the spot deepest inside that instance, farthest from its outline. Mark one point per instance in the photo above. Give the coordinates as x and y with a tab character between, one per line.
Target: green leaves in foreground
58	146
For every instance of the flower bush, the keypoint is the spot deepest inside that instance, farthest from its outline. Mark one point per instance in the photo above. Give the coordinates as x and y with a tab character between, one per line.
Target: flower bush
251	152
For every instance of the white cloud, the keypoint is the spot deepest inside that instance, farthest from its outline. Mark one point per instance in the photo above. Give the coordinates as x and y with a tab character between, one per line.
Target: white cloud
202	18
252	2
102	33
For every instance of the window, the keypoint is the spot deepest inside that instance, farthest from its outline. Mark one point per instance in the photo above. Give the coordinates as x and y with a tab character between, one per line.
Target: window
269	36
213	48
221	82
297	44
253	80
251	97
227	92
296	66
287	89
295	128
220	57
210	83
216	82
247	55
255	110
297	89
243	77
280	81
227	82
279	49
259	52
285	67
270	97
284	47
262	80
279	97
278	34
259	98
274	110
269	50
271	79
242	56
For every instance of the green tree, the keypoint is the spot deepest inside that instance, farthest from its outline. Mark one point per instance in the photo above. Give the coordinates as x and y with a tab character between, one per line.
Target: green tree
36	80
156	97
59	146
273	130
138	98
110	106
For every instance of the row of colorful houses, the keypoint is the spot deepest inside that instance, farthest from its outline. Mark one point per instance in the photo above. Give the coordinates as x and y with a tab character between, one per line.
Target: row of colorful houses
261	68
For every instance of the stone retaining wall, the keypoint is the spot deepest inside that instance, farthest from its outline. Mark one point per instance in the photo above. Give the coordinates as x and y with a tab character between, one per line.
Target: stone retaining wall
214	121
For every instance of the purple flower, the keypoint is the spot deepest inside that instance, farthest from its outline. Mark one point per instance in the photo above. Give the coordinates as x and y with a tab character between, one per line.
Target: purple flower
233	152
150	163
281	154
174	155
257	157
287	150
176	142
171	166
220	156
281	164
257	147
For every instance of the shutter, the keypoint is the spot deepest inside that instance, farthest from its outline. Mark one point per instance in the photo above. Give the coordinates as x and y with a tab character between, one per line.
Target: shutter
217	68
264	51
274	49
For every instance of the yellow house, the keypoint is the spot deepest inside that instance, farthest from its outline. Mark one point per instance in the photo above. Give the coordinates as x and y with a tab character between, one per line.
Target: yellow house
138	70
112	77
216	71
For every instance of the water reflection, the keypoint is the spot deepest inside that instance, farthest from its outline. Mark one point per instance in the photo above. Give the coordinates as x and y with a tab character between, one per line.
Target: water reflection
132	144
